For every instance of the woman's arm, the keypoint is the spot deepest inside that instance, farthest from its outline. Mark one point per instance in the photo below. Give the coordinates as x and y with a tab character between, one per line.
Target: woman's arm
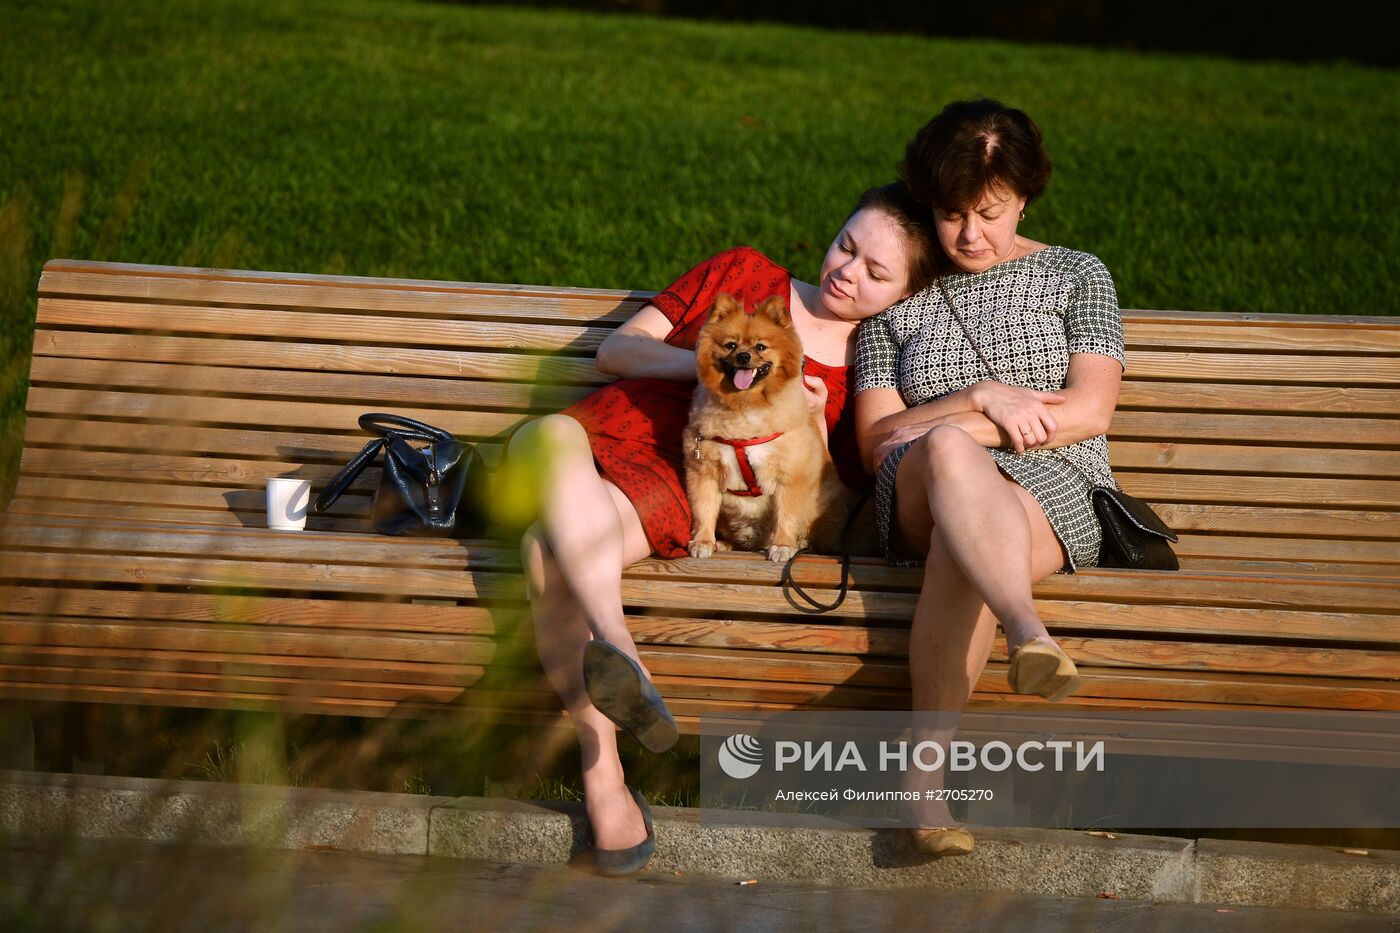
1089	398
638	350
995	402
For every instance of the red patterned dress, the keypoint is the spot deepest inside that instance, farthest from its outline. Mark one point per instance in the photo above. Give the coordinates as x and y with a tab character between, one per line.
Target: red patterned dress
635	426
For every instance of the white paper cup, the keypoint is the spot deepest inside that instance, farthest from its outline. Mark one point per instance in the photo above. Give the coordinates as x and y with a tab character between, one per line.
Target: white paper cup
287	503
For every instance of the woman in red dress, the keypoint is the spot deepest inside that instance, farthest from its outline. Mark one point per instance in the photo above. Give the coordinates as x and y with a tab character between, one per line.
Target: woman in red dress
609	478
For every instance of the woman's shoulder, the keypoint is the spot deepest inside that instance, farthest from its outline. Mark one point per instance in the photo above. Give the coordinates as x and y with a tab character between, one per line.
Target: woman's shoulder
744	257
1073	263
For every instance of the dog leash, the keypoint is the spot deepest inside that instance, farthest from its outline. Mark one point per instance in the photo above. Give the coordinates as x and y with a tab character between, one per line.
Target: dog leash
787	580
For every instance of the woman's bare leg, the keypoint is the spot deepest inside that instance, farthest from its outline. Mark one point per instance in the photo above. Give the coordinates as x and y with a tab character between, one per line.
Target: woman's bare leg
987	541
585	520
562	621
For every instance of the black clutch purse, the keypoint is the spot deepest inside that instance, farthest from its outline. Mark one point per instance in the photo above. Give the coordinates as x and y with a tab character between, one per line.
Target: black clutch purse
1134	537
438	490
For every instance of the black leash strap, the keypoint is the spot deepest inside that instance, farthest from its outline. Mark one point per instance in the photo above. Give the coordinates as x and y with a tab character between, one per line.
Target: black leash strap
789	583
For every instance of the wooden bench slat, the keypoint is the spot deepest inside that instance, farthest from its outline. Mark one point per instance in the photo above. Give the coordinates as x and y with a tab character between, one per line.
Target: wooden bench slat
231	644
213	383
1320	522
1297	338
1183	588
1156	487
236	640
373	550
1319	693
291	415
268	354
1262	490
1165	427
1224	458
1238	546
282	415
1198	396
246	507
1250	368
505	365
42	431
234	443
370	330
806	636
449	301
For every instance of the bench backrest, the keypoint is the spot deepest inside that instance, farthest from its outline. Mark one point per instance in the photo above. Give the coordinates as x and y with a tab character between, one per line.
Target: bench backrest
171	394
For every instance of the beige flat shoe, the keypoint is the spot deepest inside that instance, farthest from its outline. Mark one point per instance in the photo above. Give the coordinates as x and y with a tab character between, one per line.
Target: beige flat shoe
942	841
1041	669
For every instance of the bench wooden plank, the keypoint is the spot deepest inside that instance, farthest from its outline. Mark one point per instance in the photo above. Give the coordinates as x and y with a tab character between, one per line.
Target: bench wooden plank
231	642
806	636
268	354
306	446
1157	487
672	594
283	415
1319	693
1319	522
224	386
1251	368
357	328
1140	393
435	300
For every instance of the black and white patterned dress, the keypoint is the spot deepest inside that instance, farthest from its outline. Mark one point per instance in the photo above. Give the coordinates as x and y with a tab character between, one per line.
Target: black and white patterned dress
1028	315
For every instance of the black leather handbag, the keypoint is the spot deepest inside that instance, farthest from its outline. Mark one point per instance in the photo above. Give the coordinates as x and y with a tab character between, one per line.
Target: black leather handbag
1133	535
437	490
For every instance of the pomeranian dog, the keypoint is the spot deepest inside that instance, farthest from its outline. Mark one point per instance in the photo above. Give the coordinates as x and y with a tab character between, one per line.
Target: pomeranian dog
757	473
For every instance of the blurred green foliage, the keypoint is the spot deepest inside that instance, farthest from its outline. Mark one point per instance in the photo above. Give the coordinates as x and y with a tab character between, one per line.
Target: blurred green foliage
473	143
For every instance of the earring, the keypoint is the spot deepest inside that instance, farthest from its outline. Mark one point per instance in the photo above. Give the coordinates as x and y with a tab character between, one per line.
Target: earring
1023	215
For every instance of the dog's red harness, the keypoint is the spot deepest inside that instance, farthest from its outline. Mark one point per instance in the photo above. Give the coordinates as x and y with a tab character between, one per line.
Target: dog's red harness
745	468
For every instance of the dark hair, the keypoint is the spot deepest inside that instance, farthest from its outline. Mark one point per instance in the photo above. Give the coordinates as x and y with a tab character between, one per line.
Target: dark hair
915	221
973	146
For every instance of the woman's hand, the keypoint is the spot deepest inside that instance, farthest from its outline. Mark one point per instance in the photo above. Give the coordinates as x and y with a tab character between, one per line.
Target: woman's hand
815	391
898	438
1023	415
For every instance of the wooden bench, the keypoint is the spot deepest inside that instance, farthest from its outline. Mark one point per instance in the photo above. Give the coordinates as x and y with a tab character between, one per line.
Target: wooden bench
134	567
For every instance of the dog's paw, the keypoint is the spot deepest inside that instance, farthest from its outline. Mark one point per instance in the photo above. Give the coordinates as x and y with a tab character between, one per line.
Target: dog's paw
699	548
781	553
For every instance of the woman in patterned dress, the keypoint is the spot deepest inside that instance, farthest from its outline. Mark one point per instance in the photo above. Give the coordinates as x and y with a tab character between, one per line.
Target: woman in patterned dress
982	405
608	477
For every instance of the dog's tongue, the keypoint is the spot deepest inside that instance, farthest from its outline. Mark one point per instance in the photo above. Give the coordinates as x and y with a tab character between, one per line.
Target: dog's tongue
743	378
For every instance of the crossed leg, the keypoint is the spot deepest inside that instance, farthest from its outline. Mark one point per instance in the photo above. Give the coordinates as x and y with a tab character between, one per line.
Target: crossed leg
574	555
987	541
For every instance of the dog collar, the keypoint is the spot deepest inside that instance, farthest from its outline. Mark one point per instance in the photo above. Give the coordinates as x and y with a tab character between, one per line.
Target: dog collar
740	446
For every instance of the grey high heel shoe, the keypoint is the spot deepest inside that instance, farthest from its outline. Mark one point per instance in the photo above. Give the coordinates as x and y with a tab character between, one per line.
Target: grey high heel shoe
614	862
621	692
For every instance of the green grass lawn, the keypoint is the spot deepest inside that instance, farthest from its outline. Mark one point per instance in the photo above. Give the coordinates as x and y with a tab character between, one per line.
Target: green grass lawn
435	141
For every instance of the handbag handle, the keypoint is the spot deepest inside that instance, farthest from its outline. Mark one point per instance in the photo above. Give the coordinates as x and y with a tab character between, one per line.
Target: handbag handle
383	423
348	474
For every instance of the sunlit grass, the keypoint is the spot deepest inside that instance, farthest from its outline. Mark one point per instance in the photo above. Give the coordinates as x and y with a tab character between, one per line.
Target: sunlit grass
471	143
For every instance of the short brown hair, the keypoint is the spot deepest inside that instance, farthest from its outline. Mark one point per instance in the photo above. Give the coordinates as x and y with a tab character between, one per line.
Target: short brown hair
922	254
973	146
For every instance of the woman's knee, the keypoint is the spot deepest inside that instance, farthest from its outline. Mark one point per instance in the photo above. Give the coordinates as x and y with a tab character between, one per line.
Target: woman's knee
546	438
946	450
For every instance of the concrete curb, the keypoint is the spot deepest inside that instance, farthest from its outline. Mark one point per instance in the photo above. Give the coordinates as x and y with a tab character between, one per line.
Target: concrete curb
1028	861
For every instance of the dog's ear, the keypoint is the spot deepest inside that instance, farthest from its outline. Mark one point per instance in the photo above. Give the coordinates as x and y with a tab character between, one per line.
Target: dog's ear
724	306
775	309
